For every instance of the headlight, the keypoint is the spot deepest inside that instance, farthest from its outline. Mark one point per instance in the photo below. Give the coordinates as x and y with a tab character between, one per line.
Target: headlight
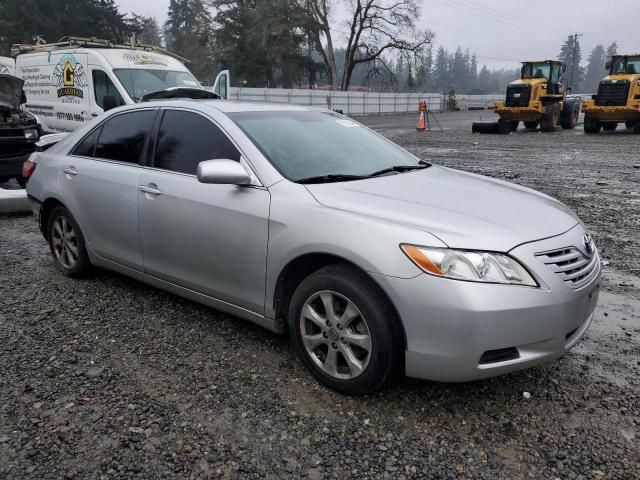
469	265
31	134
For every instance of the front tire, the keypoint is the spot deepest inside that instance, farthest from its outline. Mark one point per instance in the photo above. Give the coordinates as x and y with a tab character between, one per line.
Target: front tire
531	125
591	124
67	244
549	121
505	126
345	331
571	119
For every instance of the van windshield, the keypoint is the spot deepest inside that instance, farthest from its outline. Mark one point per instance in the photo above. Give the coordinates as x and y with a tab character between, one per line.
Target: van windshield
138	82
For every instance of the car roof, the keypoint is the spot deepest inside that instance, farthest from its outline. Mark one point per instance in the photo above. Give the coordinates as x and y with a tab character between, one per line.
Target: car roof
225	106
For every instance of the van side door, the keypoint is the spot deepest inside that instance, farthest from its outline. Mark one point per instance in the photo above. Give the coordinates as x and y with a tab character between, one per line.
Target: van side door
102	86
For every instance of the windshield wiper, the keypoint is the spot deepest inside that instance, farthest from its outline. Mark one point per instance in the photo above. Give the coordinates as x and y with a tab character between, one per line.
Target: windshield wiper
400	169
338	177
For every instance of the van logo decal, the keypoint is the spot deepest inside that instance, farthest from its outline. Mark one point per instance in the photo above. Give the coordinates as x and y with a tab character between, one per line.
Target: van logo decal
69	77
143	58
3	69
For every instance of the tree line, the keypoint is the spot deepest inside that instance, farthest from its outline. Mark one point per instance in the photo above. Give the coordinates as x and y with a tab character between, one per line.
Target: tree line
289	43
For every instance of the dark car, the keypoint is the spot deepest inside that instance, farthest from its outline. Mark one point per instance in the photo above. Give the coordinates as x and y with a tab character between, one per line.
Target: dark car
19	130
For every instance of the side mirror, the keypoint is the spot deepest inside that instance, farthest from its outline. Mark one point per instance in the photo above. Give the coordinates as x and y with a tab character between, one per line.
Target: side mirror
223	171
608	65
109	102
522	71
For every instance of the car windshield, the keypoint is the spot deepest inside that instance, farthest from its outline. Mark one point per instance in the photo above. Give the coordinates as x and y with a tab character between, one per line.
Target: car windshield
308	144
536	70
626	65
138	82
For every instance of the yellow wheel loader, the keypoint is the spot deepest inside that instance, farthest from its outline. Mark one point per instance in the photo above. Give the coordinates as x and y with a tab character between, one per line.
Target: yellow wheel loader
618	97
537	98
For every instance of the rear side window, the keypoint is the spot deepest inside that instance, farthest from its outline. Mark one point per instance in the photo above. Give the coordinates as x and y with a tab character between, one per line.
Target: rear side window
87	146
186	139
123	137
102	85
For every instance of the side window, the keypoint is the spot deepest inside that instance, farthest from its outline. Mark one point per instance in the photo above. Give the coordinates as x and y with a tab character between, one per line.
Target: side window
88	145
186	139
102	85
123	137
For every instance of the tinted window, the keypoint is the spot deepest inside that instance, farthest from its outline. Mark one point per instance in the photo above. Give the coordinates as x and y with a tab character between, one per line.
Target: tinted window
86	147
102	85
122	137
186	139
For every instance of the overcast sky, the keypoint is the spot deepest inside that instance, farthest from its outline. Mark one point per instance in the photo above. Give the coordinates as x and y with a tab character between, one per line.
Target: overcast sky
503	32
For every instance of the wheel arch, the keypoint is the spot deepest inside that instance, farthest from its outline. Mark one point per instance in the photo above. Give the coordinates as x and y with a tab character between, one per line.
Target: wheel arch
300	267
45	210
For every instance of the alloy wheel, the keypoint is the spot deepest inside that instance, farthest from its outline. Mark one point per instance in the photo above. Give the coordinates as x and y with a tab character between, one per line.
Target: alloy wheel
335	335
65	242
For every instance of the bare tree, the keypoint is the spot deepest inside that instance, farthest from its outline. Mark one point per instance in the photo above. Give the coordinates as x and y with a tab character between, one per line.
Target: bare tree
373	28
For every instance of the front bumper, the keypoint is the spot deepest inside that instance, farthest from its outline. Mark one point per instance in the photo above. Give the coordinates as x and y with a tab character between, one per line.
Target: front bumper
532	112
460	331
627	113
13	155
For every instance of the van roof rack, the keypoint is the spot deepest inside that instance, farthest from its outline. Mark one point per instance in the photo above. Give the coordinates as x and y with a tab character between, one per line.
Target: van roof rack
87	42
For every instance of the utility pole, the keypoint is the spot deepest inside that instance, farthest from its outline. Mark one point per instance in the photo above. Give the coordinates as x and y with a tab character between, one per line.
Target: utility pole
573	57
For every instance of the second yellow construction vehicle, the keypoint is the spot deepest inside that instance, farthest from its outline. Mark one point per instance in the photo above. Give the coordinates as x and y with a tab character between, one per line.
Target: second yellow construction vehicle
618	97
537	98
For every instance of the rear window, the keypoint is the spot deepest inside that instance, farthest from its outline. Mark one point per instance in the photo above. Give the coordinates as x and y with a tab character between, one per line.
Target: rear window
123	137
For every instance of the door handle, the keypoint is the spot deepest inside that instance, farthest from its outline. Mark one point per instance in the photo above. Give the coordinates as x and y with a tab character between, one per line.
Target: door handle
150	189
70	171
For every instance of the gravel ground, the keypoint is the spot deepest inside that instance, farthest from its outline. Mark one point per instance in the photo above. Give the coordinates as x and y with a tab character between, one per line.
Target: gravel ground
109	378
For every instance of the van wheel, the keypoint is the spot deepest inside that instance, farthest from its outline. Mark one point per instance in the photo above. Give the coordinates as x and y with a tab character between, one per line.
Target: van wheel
345	331
591	124
532	125
67	244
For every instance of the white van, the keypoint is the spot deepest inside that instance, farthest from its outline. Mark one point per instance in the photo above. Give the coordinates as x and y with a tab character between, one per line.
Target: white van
7	66
70	83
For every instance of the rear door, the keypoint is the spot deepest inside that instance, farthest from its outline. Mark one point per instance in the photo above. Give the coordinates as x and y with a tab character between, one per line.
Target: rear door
99	183
209	238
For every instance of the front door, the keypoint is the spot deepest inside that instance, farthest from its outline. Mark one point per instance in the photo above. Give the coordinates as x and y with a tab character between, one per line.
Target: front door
99	183
209	238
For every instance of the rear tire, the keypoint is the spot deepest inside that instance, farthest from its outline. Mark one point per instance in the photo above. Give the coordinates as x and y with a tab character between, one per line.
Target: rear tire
636	128
609	126
532	125
629	125
67	244
335	315
514	125
549	121
591	124
571	119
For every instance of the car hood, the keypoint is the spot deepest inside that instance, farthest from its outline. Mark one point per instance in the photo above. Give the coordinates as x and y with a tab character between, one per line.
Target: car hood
462	209
10	92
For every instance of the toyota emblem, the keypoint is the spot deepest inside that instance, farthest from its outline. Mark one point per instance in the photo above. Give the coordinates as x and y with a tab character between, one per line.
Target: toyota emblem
588	244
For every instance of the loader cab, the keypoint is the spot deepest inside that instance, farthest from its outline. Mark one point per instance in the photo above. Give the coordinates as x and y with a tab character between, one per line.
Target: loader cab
624	65
549	70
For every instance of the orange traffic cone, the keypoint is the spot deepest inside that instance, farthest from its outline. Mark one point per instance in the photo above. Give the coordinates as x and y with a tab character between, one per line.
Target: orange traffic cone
421	126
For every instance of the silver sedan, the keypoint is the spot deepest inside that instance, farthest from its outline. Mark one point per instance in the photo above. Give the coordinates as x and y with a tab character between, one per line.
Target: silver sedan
377	263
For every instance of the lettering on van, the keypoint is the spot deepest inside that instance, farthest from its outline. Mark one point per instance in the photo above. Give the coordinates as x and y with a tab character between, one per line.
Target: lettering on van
144	58
69	77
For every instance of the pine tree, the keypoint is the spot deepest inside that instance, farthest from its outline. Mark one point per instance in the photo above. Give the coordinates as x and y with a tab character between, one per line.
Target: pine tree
188	33
611	51
442	81
571	55
595	69
146	29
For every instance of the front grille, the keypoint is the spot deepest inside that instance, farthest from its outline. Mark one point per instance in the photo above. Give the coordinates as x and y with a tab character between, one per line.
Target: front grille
518	95
574	267
613	93
11	132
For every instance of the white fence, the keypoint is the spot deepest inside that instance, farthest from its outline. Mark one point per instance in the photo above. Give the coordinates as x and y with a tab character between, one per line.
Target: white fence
363	103
351	103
